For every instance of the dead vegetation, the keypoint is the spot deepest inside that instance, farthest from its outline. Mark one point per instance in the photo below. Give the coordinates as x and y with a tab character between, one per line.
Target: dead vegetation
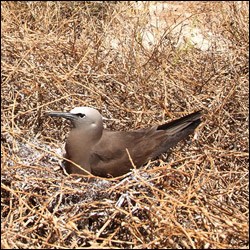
112	56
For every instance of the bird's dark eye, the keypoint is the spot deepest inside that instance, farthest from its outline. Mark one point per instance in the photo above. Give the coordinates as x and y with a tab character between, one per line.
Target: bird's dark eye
81	115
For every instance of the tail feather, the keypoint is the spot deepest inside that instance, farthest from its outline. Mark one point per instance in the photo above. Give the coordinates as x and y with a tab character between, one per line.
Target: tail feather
181	123
178	130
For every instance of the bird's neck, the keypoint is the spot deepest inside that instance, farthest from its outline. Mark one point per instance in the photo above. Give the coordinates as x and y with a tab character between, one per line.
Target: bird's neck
80	143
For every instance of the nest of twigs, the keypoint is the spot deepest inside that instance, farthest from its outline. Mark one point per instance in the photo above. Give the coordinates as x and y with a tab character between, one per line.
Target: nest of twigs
137	65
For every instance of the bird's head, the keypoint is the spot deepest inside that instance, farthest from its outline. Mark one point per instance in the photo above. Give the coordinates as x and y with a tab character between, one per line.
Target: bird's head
81	117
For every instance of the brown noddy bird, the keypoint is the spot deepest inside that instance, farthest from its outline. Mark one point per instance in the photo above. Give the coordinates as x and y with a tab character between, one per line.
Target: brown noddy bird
108	153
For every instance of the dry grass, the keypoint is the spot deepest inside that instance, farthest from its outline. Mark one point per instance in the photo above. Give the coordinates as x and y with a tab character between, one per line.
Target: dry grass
58	55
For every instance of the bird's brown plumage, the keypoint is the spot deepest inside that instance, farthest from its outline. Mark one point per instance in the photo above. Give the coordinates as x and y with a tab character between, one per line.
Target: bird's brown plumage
106	153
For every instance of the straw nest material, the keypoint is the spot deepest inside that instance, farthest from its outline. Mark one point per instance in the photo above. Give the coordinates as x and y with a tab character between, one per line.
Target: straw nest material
112	56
